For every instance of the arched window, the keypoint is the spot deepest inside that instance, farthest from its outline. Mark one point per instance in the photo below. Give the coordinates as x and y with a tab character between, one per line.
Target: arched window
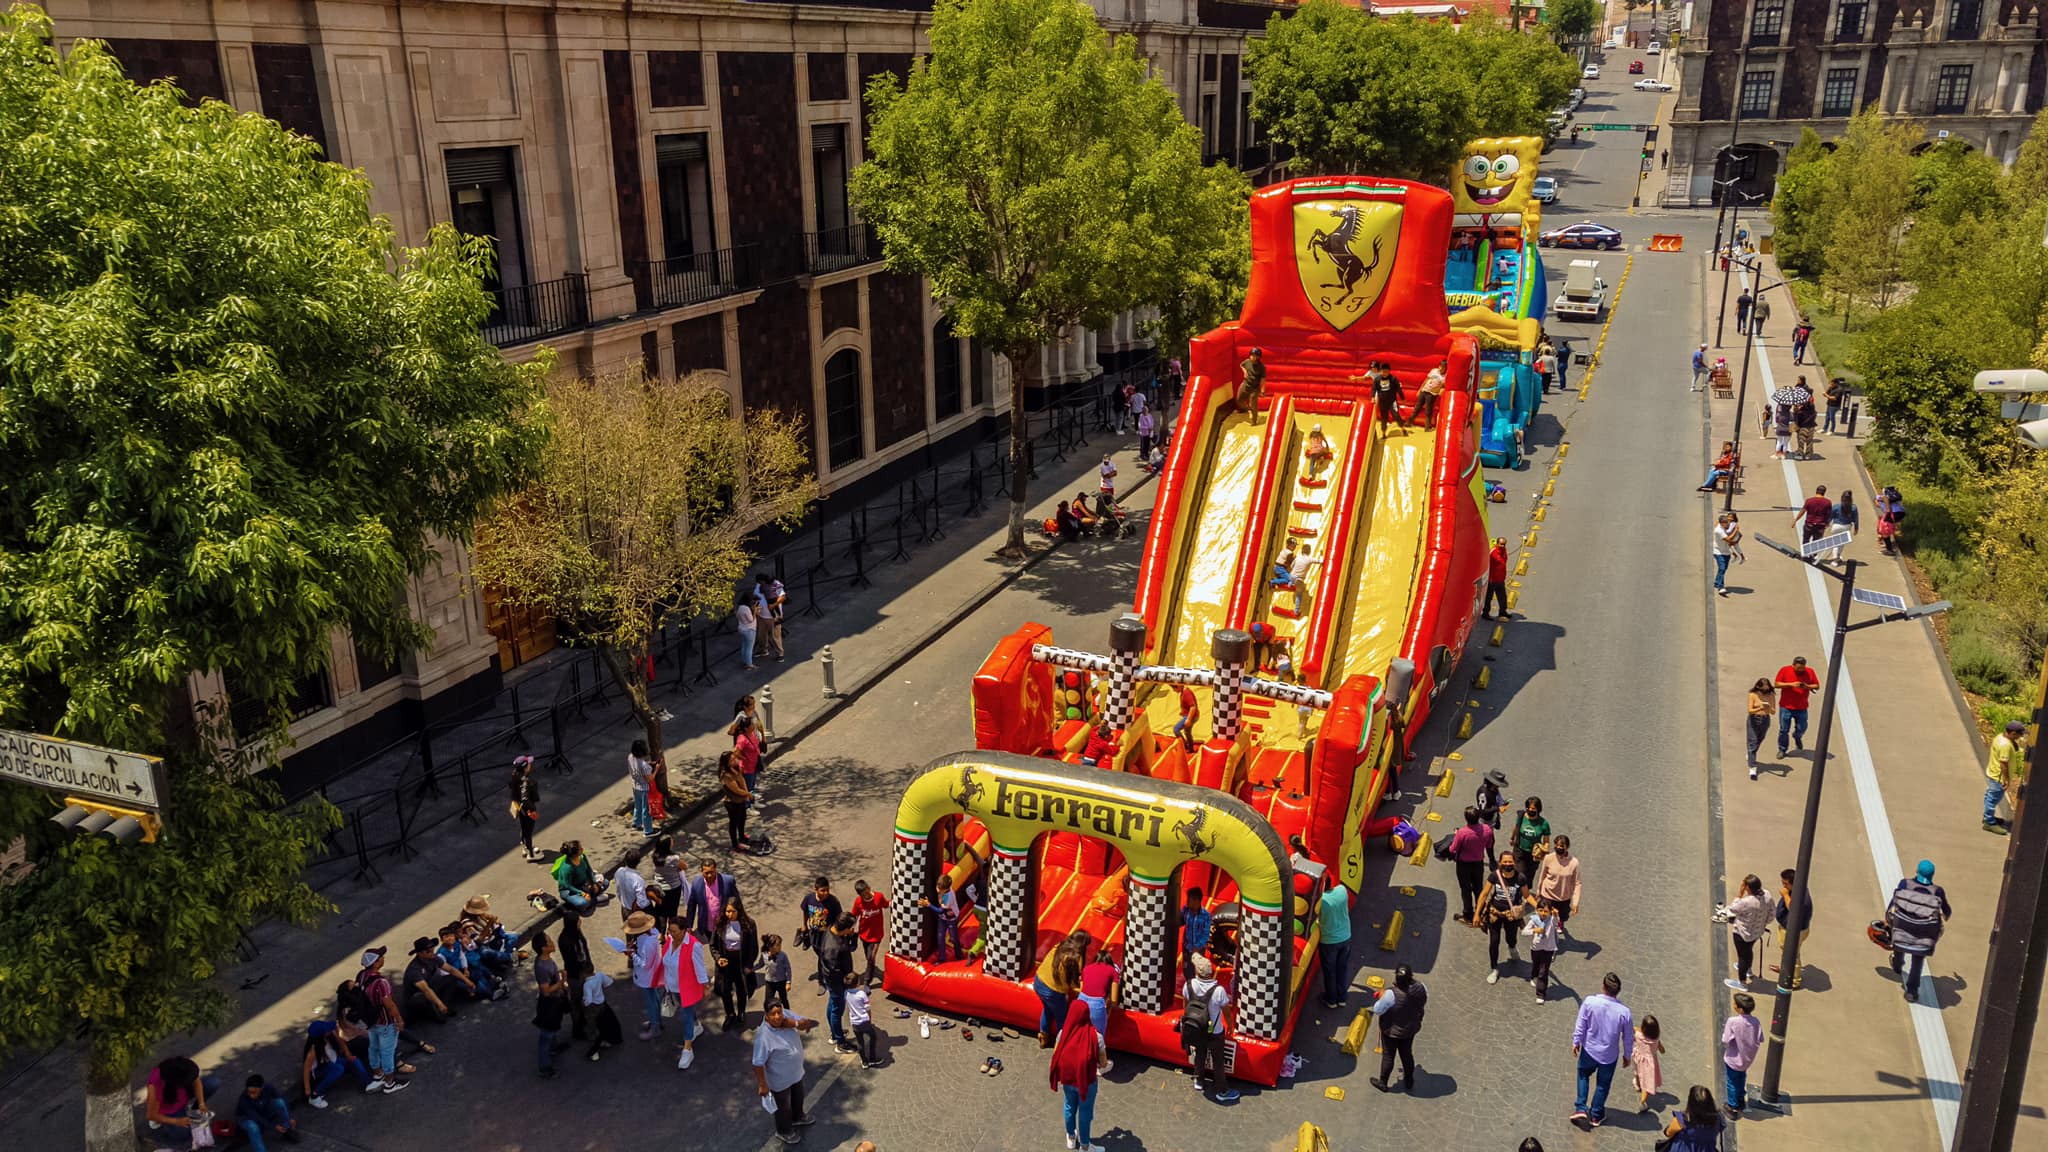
842	408
945	370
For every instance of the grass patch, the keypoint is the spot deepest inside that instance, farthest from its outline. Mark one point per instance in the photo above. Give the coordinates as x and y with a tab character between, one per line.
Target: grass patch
1830	344
1941	557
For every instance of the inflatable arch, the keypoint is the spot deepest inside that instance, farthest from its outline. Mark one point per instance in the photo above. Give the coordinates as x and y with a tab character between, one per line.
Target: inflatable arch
1157	825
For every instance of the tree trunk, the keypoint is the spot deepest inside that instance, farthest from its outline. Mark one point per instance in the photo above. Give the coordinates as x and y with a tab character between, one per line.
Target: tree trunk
628	671
1020	459
109	1109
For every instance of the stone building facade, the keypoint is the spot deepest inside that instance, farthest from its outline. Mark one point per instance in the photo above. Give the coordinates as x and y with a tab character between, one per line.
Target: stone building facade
1754	72
665	183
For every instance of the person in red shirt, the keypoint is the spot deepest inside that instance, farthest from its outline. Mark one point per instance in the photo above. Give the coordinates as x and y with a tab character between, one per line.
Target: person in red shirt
1190	711
1496	579
867	909
1813	515
1101	746
1795	683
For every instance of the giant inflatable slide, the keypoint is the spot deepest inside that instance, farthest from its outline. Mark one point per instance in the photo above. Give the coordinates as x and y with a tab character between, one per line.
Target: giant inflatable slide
1494	285
1302	691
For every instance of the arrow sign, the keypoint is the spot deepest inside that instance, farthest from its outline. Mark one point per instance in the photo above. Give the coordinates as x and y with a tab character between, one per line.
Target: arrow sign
75	769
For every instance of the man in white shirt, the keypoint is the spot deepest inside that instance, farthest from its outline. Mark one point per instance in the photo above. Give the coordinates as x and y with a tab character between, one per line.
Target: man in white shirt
631	886
1108	473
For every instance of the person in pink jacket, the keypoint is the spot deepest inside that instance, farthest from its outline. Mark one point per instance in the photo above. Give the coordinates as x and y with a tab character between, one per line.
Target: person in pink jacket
685	972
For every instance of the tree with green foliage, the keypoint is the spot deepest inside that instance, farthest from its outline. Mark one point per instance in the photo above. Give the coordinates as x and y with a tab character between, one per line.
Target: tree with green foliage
1870	199
1040	178
1210	289
644	512
234	417
1572	21
1353	93
1800	219
1517	78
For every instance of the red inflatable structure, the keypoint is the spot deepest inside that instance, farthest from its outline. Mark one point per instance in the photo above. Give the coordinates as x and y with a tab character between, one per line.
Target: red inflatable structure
1316	554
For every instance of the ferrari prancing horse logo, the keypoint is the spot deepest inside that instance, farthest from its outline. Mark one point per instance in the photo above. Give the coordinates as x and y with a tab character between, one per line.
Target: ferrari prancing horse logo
1344	251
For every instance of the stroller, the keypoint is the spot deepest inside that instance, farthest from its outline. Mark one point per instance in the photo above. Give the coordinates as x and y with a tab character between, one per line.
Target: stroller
1112	522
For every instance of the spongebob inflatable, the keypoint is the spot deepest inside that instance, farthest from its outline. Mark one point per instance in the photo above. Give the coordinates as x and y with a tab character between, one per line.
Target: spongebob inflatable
1494	283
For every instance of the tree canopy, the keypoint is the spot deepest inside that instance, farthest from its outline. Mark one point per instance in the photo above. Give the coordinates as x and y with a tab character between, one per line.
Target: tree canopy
1573	20
234	417
644	511
1353	93
1040	178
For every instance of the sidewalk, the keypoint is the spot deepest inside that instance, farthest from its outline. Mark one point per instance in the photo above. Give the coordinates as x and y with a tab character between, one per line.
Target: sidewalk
871	631
1864	1069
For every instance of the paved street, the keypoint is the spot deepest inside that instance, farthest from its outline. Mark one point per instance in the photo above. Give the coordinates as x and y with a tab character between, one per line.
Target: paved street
1615	697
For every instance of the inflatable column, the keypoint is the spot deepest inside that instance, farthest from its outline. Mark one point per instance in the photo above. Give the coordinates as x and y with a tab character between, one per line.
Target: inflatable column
1232	649
1007	955
912	936
1126	645
1148	959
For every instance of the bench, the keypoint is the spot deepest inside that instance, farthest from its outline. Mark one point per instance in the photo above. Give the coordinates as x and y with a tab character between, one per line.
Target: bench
1734	477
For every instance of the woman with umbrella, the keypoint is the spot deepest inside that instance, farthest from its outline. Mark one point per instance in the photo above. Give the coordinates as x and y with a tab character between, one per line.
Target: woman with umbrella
1784	405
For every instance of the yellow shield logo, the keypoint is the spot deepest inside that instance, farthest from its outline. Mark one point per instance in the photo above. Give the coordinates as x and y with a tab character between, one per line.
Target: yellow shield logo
1344	250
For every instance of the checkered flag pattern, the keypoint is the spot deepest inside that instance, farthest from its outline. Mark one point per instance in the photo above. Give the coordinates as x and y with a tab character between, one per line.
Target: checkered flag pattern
1229	698
1146	962
1123	690
910	936
1262	974
1005	955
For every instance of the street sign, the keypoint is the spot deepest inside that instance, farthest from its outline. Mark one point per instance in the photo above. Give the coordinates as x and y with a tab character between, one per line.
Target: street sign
1617	127
1835	540
80	769
1884	600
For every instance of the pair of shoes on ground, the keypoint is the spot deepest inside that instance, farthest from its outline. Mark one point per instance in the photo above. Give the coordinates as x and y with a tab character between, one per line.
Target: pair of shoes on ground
1382	1085
1579	1114
1076	1146
991	1067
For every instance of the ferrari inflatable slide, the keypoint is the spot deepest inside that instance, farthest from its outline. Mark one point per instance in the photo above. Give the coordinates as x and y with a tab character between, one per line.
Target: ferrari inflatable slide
1317	550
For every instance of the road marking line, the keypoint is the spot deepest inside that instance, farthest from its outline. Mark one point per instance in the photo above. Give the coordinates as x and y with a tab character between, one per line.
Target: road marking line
1937	1057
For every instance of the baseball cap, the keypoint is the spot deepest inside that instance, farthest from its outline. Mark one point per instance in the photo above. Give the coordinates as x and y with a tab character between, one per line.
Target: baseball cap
2015	726
374	955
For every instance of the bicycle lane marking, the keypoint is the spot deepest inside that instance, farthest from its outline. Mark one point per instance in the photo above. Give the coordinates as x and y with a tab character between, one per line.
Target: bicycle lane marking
1937	1058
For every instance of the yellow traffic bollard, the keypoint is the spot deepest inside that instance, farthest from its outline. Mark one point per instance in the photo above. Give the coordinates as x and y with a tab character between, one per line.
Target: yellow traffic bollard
1484	678
1465	727
1443	787
1392	937
1499	632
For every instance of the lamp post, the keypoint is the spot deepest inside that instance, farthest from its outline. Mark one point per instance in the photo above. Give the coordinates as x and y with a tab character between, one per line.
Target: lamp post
1742	398
1893	608
2019	941
1728	268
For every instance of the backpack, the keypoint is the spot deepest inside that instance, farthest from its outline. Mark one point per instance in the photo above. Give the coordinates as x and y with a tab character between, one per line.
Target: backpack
1194	1015
355	1003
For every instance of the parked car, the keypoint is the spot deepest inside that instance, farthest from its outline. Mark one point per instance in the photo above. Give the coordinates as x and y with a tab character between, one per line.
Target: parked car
1577	98
1582	235
1544	190
1635	67
1592	72
1652	84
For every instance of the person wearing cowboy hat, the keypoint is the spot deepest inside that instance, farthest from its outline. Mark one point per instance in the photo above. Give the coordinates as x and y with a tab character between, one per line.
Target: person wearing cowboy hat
1492	797
643	947
490	942
431	985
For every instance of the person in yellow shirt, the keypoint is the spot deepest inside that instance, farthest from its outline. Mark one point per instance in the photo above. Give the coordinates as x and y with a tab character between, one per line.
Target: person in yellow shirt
2007	769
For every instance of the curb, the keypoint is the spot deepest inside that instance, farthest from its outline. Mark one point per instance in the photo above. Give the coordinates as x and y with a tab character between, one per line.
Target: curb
1717	847
896	659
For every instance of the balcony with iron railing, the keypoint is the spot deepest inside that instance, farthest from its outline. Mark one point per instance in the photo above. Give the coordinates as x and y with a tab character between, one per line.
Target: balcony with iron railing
697	277
837	248
525	312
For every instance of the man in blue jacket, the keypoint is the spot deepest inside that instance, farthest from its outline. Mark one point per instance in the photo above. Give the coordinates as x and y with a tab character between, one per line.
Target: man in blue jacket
710	891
